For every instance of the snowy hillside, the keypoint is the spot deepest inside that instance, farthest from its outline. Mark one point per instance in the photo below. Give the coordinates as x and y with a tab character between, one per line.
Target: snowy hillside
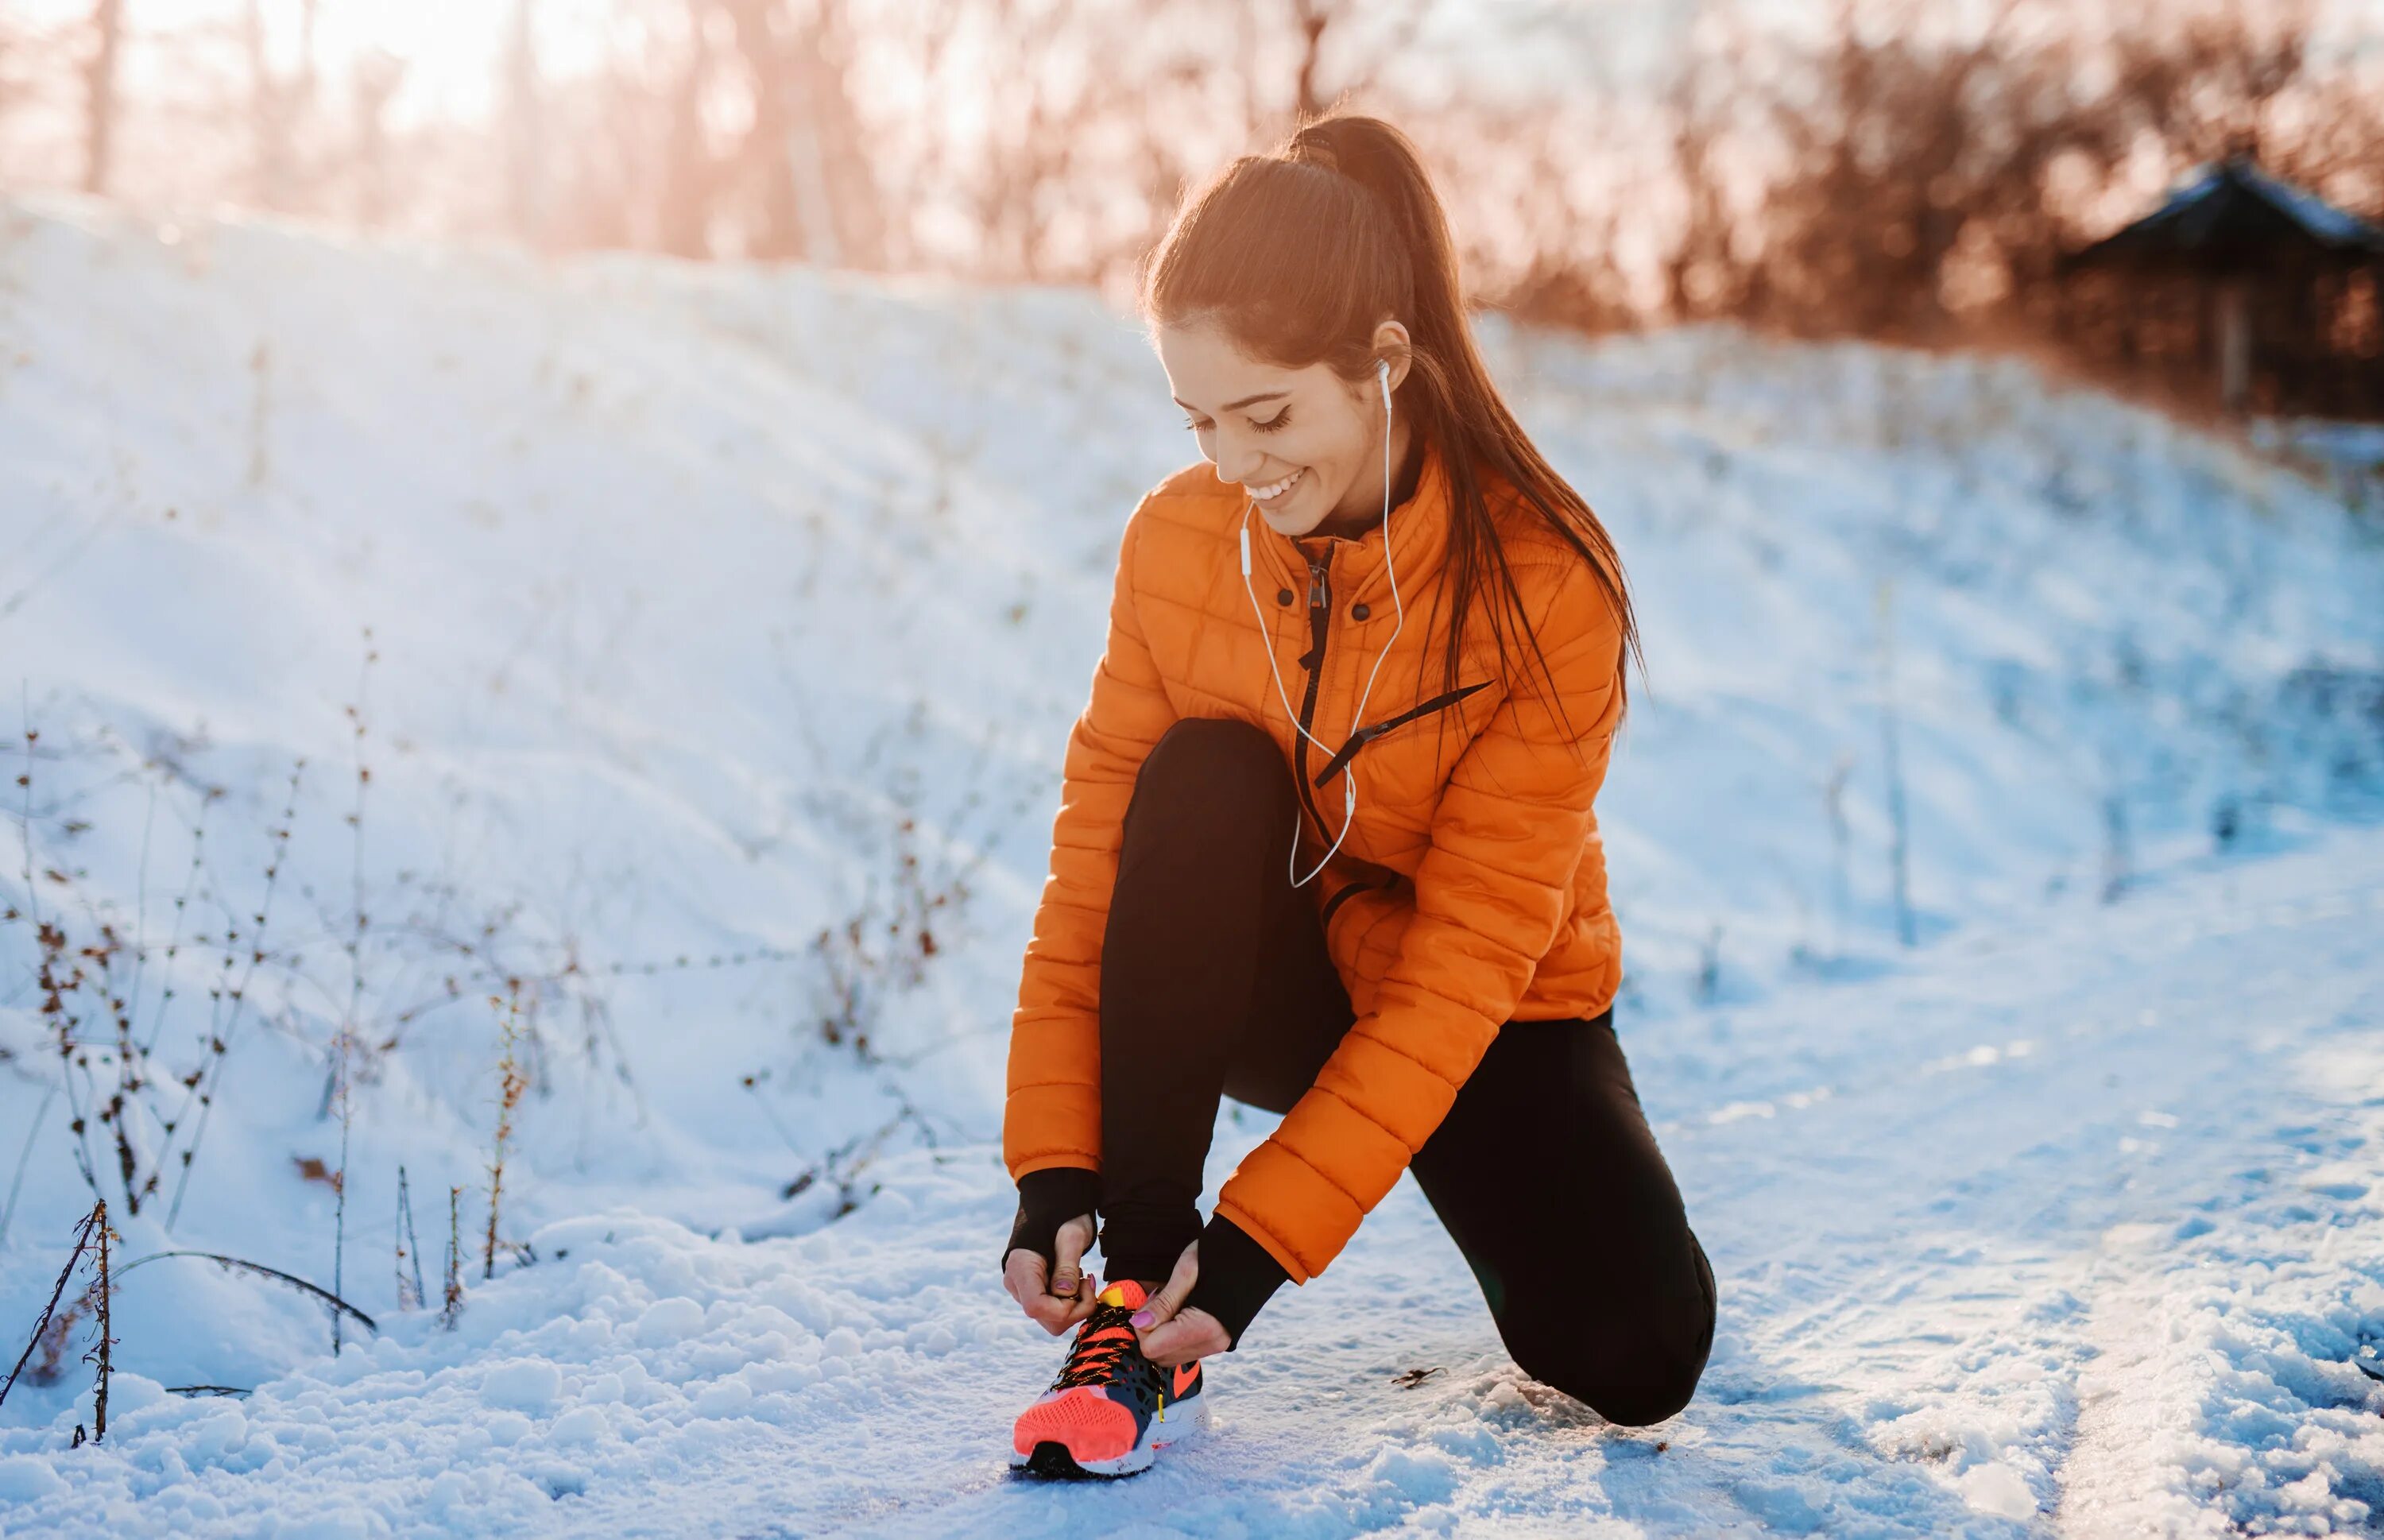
724	628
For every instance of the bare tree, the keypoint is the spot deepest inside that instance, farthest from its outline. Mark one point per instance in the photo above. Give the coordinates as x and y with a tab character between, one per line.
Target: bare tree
685	215
2204	82
1704	274
769	155
848	186
1313	21
1024	158
276	106
525	145
804	149
376	77
99	93
613	127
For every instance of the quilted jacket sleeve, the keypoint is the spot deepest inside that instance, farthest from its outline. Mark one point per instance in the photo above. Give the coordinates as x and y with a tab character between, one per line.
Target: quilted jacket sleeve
1051	1113
1507	837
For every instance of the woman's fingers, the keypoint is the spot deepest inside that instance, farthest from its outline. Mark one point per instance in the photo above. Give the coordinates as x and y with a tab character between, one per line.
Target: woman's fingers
1040	1290
1024	1276
1161	1306
1021	1275
1193	1334
1069	1245
1056	1316
1169	1333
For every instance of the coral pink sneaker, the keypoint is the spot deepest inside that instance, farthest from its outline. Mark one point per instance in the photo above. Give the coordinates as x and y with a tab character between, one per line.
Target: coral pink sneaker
1111	1408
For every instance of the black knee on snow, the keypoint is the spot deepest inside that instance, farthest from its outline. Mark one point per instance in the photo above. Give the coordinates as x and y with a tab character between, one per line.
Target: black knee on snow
1656	1391
1652	1379
1641	1407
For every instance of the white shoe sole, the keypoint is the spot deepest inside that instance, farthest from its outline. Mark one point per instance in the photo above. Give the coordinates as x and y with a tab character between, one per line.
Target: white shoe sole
1180	1423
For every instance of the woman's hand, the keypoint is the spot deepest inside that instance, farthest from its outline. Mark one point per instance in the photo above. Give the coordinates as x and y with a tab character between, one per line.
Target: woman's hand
1171	1334
1058	1301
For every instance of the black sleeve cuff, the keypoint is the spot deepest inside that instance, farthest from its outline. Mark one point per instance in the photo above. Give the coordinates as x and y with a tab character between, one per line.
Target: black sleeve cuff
1237	1277
1047	1199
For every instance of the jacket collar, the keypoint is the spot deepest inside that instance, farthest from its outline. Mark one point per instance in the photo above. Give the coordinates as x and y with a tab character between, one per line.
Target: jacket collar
1419	539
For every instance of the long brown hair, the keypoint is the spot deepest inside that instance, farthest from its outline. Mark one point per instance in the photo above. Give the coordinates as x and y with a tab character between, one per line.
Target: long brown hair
1298	255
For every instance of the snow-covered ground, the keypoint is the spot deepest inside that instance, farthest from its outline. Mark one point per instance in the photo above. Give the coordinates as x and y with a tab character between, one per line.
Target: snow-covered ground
710	611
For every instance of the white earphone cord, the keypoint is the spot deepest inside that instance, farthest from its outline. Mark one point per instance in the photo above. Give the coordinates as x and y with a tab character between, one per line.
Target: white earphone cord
1358	715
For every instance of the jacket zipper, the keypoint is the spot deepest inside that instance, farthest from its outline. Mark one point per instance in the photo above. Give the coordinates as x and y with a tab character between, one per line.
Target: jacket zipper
1364	736
1320	621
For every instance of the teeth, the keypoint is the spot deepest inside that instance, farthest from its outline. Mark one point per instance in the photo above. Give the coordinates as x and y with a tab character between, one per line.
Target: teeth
1273	490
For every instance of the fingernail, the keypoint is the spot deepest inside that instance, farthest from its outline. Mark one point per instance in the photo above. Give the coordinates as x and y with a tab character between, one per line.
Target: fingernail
1143	1317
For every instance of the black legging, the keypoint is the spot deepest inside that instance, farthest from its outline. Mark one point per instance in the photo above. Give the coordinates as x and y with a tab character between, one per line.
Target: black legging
1216	979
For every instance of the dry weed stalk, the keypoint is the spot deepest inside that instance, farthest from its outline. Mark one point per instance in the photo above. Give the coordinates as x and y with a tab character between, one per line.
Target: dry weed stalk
453	1305
103	1351
408	1249
511	1083
342	1068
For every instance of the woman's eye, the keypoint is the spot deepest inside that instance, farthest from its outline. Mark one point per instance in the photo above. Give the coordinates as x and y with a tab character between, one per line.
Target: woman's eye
1194	426
1275	422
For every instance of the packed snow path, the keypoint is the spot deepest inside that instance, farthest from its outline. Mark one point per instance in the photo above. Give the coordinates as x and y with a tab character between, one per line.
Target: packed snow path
2069	1230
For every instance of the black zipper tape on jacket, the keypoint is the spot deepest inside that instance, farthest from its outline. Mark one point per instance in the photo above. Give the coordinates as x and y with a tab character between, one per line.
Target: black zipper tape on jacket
1325	915
1363	736
1320	621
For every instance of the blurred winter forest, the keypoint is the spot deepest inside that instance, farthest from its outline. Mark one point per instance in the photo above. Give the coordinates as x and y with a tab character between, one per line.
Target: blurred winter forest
1869	167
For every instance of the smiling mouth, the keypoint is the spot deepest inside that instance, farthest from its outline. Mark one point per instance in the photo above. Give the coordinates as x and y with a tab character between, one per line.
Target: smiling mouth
1274	491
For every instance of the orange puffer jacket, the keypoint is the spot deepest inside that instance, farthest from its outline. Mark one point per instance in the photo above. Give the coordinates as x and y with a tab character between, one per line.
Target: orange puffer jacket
1470	893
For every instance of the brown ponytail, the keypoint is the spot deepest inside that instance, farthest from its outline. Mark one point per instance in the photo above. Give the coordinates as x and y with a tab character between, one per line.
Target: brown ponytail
1298	255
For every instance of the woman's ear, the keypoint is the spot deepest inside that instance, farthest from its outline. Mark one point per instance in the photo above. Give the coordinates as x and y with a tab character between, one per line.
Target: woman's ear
1391	343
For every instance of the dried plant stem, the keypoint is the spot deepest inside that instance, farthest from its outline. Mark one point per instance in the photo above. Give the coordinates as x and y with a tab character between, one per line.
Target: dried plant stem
107	1342
453	1305
510	1086
409	1248
346	1041
32	898
340	1189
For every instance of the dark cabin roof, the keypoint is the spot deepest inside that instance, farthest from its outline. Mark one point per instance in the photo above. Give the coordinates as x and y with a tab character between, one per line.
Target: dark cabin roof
2234	216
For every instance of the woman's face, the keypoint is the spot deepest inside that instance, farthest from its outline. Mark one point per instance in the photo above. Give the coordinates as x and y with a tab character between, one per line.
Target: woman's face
1304	443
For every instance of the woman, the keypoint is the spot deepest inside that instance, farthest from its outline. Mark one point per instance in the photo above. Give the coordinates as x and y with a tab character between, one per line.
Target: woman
1325	844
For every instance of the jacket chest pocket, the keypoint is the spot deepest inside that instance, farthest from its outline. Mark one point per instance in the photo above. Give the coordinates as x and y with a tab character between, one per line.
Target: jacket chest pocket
1423	741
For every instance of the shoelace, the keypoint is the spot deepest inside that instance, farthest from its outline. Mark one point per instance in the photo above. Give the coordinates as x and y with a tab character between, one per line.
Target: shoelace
1105	1338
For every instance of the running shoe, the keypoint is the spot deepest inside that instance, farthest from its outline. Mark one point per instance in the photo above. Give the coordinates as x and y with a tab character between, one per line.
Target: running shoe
1112	1407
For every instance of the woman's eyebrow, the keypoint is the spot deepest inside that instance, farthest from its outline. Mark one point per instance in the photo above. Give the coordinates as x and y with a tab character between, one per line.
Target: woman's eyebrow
1233	406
